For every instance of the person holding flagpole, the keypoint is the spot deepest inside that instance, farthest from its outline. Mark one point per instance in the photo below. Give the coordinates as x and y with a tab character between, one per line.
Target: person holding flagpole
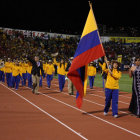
112	88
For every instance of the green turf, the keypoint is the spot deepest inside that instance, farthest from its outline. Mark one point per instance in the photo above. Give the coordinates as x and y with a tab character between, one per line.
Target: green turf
125	83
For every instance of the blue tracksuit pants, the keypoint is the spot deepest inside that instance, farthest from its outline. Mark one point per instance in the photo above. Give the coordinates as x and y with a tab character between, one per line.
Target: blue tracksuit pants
15	81
24	76
2	76
49	78
40	82
29	77
111	94
91	81
61	79
9	79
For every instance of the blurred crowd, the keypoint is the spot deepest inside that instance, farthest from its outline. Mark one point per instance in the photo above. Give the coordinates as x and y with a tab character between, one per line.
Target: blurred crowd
106	30
15	46
128	52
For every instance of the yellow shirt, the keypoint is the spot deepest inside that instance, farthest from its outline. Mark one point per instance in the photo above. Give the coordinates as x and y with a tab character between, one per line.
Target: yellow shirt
24	67
2	69
49	69
91	71
29	69
44	67
8	67
60	70
112	81
15	70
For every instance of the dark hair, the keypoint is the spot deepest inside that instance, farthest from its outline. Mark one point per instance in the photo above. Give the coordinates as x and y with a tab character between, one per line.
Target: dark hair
119	65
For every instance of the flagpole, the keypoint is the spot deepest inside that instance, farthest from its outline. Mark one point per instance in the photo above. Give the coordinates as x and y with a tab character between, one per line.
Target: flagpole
90	5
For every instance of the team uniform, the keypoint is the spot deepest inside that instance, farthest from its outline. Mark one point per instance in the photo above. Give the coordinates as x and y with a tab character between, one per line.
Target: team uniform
61	74
29	76
8	71
15	76
91	75
2	74
112	90
40	81
49	71
24	73
103	66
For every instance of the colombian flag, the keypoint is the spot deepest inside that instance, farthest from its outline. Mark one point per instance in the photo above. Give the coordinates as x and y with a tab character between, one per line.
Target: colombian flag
89	48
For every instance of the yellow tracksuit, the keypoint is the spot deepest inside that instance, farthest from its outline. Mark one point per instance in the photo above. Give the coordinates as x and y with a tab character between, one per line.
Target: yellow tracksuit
29	69
2	69
24	67
49	69
91	71
15	70
44	66
8	67
112	81
60	68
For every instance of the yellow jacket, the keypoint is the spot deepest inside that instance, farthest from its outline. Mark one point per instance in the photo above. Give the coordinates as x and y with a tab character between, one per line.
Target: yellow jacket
24	67
49	69
91	71
29	69
44	66
8	67
60	70
2	69
15	70
112	81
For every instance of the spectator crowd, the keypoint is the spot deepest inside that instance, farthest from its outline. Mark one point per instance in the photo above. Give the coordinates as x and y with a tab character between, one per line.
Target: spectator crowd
16	45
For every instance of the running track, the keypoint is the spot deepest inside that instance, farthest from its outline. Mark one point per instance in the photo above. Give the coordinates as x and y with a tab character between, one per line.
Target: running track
53	116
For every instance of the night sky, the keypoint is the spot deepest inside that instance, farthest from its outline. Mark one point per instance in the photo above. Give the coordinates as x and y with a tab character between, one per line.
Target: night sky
62	16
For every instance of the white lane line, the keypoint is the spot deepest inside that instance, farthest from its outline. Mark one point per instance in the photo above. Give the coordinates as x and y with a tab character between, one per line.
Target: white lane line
104	98
124	129
125	96
86	100
100	96
102	91
46	113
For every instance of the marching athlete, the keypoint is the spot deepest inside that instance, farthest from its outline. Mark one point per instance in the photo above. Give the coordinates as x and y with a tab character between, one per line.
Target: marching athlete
2	71
8	71
61	66
112	88
49	71
91	74
29	76
15	75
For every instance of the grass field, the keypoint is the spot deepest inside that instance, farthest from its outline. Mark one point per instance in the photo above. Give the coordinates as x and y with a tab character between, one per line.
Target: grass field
125	82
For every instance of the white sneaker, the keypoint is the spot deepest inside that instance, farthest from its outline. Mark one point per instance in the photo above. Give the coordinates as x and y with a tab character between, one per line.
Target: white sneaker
105	114
115	116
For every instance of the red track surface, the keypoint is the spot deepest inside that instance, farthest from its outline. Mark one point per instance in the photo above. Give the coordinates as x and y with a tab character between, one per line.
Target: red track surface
53	116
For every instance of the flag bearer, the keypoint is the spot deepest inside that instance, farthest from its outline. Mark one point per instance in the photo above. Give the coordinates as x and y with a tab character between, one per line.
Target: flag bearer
112	88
